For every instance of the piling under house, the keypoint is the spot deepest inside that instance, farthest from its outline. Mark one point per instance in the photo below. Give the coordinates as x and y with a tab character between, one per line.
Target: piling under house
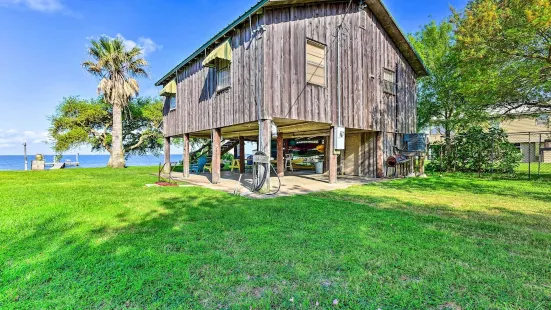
299	69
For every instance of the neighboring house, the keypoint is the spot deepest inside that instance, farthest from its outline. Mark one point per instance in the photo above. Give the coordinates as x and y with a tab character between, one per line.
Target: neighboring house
291	64
526	123
528	133
435	134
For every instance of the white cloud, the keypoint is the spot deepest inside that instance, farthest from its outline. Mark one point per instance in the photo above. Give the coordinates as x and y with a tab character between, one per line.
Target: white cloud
37	5
146	44
11	137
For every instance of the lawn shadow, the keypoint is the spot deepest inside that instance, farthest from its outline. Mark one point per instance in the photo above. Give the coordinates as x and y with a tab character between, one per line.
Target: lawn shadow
203	248
473	186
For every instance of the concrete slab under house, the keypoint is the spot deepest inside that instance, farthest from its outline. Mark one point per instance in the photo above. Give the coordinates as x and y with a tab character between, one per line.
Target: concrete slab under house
329	81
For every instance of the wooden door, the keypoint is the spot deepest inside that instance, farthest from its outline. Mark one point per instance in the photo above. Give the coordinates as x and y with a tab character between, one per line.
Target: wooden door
352	154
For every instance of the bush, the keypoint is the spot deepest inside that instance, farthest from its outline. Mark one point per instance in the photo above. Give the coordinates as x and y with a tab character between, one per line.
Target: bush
476	150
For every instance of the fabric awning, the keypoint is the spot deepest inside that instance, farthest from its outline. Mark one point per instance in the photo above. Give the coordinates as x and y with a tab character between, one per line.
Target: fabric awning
223	51
169	89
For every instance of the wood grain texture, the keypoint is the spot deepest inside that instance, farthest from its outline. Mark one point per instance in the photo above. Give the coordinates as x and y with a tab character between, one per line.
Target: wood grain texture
216	155
200	106
365	52
185	159
269	68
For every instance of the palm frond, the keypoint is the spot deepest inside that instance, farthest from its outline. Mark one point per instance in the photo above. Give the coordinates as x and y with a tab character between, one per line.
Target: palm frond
117	68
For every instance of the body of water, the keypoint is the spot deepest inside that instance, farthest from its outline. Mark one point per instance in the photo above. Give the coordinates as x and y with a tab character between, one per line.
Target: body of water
17	162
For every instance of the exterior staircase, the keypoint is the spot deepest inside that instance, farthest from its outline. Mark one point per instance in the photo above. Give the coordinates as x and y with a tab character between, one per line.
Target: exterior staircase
206	149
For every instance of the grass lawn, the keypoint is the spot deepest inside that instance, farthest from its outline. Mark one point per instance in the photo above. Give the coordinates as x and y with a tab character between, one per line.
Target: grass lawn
96	238
542	170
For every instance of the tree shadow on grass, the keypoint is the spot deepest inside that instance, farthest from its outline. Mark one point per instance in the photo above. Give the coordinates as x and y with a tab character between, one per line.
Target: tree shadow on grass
212	250
532	190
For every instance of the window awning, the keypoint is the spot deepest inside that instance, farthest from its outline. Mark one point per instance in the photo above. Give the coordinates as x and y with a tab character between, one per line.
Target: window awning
223	51
169	89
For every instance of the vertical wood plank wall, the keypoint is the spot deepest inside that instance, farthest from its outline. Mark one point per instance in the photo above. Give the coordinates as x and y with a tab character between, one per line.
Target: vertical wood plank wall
366	50
200	107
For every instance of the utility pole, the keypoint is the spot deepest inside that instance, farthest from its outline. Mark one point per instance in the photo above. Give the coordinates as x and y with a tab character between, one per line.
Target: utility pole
25	155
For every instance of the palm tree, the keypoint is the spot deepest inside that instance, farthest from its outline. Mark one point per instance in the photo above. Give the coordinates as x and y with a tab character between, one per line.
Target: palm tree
117	68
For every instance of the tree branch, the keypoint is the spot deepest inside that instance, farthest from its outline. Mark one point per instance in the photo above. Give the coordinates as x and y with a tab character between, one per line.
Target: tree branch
538	105
140	142
103	139
518	54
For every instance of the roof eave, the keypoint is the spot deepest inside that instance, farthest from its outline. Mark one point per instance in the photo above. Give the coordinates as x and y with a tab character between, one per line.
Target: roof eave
376	6
391	27
219	35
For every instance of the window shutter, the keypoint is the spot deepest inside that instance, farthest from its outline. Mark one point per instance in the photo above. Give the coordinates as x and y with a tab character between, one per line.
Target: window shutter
223	74
389	82
315	63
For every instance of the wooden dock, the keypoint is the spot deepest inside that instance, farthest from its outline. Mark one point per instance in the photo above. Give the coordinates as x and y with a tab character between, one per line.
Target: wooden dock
63	165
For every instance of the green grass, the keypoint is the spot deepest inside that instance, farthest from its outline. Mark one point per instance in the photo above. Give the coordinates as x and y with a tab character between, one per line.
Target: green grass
536	170
96	238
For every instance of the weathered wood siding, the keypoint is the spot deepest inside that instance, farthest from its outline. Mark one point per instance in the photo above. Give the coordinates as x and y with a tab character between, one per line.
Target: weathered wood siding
200	107
366	50
279	58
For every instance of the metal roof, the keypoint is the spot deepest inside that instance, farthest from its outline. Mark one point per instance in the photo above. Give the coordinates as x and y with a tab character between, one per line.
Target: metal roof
219	35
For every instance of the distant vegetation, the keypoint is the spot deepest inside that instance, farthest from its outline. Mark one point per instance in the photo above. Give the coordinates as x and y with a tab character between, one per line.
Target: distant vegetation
117	68
494	57
79	122
491	60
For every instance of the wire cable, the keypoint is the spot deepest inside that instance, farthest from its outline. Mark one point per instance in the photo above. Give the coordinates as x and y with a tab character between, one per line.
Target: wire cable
266	173
335	37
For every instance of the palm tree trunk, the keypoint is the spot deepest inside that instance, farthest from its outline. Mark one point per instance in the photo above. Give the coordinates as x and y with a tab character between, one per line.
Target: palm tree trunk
117	152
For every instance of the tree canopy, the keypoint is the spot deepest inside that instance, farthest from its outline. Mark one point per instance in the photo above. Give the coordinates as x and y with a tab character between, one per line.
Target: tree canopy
117	68
505	48
79	122
439	98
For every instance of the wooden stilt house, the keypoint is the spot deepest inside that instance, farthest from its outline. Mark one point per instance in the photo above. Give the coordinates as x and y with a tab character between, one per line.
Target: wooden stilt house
304	67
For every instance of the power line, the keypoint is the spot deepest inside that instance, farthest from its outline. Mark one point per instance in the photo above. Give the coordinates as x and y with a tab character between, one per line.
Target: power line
335	37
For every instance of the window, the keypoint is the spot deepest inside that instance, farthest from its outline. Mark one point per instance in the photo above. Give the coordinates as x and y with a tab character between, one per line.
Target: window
223	74
315	63
389	82
172	101
542	120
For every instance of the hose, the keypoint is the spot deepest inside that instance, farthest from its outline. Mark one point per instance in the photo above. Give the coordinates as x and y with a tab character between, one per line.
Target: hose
266	170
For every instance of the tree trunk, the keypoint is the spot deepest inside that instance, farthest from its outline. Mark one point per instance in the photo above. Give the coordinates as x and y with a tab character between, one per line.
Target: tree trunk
117	151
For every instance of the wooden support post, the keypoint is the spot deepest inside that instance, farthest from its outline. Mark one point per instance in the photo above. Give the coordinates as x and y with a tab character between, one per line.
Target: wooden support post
167	155
332	158
242	155
327	154
380	155
186	158
265	135
215	164
280	156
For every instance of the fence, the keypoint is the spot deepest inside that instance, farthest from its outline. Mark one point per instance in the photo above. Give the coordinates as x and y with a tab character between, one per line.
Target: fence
526	155
535	148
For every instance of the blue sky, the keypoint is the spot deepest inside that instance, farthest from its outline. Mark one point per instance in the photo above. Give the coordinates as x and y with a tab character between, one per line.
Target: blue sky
43	43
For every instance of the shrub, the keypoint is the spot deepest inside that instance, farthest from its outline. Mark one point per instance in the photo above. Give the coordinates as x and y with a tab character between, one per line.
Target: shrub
476	150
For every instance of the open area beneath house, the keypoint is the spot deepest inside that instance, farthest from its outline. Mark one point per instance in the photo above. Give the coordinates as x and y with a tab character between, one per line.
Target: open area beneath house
98	238
293	183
